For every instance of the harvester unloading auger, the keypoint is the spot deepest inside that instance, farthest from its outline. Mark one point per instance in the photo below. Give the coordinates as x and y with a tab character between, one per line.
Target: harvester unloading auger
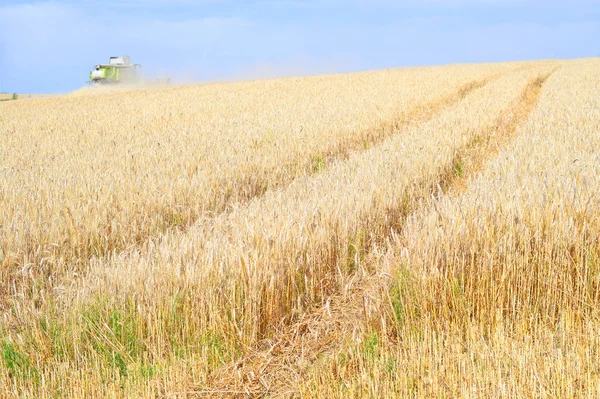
120	70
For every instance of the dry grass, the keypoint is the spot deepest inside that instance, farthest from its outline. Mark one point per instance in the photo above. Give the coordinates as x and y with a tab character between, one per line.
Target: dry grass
426	232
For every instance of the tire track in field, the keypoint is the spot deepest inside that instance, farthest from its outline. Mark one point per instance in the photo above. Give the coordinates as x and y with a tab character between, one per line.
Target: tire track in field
275	365
250	187
341	151
78	254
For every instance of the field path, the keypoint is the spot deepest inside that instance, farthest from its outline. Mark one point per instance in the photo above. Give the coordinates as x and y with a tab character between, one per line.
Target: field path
93	207
214	257
276	366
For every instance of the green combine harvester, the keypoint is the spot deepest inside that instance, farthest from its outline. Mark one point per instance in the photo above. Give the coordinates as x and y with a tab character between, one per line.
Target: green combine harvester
118	70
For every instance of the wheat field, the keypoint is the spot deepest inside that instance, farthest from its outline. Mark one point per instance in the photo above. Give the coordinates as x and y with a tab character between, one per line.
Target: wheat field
416	232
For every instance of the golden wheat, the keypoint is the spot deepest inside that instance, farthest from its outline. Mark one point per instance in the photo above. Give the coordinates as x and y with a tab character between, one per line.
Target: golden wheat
311	225
89	174
497	291
424	232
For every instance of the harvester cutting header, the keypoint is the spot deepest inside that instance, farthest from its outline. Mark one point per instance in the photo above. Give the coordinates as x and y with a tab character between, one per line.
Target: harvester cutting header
121	70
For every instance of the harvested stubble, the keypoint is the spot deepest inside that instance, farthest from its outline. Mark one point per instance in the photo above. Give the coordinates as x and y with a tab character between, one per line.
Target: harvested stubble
496	290
83	176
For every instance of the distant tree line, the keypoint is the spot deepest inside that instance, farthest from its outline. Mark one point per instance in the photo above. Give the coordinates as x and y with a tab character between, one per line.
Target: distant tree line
14	97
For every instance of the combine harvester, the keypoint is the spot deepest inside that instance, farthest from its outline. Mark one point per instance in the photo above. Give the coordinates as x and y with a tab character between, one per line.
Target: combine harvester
120	70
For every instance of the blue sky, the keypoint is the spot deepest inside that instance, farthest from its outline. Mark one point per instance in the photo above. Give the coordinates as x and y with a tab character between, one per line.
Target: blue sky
50	46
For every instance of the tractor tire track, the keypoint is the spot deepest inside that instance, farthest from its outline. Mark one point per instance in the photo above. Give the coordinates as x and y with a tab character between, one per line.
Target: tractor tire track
277	364
251	188
78	255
